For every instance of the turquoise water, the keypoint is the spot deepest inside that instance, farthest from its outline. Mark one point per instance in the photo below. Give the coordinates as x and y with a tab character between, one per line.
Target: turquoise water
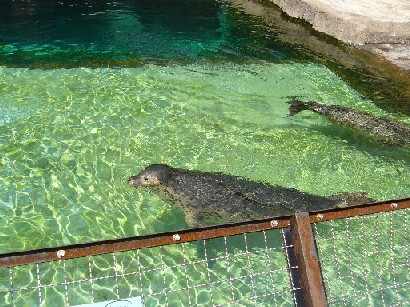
130	33
71	138
204	94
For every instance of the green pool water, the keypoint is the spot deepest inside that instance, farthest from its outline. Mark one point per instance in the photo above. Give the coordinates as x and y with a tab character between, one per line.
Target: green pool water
70	138
91	93
142	87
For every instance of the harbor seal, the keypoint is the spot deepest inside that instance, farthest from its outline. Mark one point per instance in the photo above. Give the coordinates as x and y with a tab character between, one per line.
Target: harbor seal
217	198
381	129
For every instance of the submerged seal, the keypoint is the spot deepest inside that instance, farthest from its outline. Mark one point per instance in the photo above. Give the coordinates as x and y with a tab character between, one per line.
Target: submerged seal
381	129
217	198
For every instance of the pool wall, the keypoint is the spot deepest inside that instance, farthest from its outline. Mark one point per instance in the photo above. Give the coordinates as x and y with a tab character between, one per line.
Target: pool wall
382	25
386	63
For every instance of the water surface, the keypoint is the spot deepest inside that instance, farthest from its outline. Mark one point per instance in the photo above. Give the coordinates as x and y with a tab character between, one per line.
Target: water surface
91	94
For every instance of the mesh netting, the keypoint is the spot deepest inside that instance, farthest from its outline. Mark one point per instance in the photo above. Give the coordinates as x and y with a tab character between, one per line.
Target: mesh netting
365	260
245	268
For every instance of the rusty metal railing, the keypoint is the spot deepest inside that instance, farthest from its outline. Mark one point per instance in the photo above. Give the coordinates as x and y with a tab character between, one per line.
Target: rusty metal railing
308	264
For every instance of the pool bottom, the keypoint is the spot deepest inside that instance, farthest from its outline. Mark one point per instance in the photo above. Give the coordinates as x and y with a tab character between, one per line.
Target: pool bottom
70	138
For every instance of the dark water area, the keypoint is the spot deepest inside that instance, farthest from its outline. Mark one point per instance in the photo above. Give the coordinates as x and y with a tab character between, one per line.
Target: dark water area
126	33
66	34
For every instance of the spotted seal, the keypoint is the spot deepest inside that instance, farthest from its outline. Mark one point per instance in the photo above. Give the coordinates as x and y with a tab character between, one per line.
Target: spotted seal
217	198
381	129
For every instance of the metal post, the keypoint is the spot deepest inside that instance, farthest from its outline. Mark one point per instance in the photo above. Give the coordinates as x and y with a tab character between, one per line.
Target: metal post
307	260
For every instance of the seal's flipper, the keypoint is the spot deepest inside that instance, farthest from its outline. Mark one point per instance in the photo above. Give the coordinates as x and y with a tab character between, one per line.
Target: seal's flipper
297	106
193	220
352	199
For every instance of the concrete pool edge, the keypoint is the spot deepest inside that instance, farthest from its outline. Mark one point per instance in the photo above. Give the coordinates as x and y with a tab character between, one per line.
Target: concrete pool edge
390	84
381	27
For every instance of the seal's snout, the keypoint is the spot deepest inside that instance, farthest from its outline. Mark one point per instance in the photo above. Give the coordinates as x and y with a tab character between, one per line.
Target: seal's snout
152	176
132	181
143	180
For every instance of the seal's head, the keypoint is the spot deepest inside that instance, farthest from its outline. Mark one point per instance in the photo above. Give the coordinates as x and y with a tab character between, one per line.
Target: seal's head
152	176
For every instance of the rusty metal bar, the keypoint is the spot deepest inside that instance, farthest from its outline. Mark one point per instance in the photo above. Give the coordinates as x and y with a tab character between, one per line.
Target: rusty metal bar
308	262
116	245
341	213
111	246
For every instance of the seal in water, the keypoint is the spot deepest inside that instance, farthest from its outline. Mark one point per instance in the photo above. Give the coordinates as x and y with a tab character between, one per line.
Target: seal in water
381	129
217	198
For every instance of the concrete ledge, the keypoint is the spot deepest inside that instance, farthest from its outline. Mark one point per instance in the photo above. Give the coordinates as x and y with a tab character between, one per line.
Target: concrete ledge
398	54
355	22
382	26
